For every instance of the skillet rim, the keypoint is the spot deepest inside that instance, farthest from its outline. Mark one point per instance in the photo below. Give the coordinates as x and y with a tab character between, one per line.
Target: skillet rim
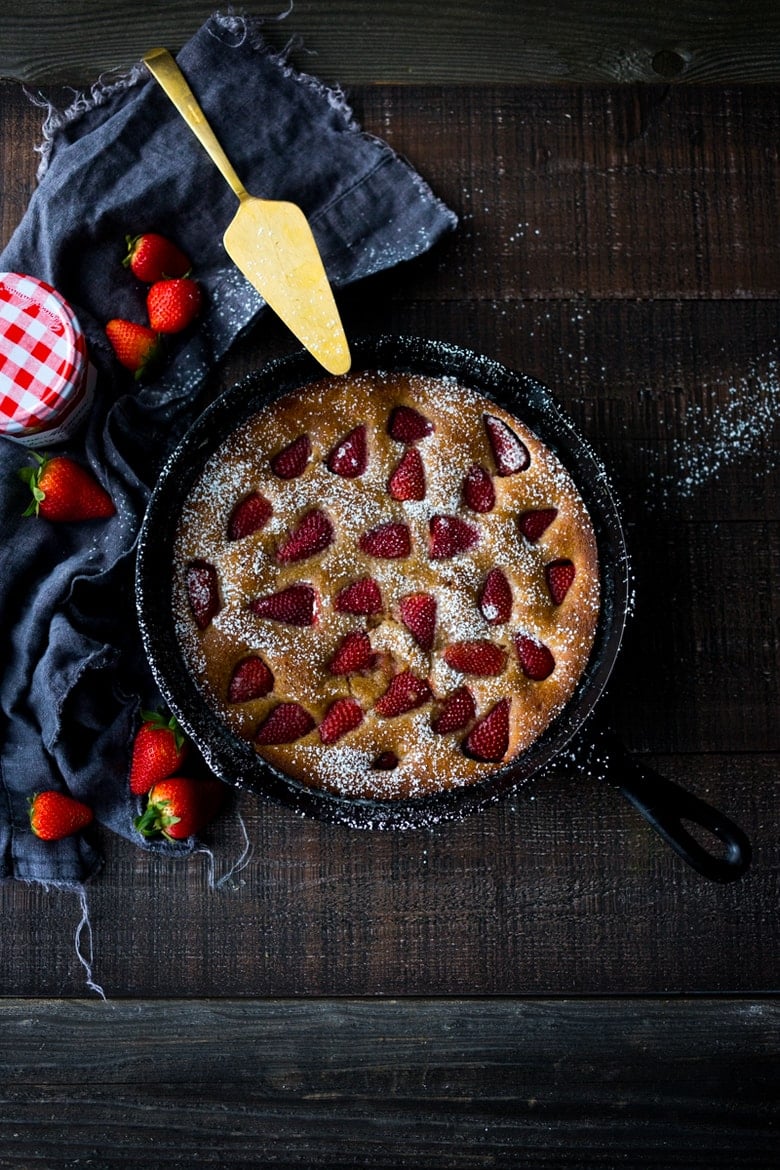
233	760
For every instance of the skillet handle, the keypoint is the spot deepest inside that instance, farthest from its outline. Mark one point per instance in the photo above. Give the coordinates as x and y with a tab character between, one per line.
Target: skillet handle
665	806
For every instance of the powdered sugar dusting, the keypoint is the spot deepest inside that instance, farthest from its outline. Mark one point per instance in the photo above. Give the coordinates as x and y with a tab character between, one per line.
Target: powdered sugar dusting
249	568
720	434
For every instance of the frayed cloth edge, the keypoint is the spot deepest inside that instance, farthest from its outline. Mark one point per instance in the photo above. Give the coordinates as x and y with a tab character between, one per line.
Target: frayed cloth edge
106	86
56	119
241	862
86	959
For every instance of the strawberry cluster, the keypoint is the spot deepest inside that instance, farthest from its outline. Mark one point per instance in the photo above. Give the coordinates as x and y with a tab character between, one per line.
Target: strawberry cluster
177	805
485	735
173	301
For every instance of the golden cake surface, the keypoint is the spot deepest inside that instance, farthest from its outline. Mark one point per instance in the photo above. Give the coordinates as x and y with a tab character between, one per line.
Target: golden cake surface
386	583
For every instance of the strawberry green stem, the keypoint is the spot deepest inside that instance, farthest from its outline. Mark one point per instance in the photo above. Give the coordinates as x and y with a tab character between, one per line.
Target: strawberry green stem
31	476
155	819
159	722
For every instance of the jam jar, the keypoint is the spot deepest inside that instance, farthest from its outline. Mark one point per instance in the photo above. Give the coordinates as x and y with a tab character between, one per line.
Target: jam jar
46	379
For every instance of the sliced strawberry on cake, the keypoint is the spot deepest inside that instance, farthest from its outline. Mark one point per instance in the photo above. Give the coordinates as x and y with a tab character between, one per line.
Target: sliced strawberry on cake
343	716
313	535
489	738
349	458
251	679
362	597
250	515
391	541
479	493
408	480
407	425
455	713
418	613
495	598
293	459
449	535
295	606
559	576
536	659
285	724
478	656
406	692
509	451
203	592
353	654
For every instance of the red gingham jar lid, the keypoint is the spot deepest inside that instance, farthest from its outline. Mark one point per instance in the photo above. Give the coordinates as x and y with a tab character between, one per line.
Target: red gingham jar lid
43	356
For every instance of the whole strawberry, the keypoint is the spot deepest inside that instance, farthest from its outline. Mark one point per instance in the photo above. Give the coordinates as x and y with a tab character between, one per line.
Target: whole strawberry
136	346
159	750
179	807
152	257
53	815
63	490
172	305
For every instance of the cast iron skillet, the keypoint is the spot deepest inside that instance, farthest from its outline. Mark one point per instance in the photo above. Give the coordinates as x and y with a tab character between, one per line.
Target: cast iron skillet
664	804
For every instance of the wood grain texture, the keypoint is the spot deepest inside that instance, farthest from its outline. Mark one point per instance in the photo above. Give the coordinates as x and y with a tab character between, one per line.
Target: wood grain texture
639	193
636	192
346	1083
617	244
360	42
561	890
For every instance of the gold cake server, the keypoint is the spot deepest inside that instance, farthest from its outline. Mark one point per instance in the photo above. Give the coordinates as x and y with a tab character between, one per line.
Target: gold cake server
269	240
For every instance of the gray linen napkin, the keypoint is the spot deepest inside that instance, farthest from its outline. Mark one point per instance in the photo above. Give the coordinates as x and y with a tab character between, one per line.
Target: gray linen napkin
122	161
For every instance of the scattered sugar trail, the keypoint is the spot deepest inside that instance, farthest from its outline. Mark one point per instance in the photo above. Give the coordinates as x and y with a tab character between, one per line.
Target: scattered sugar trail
719	438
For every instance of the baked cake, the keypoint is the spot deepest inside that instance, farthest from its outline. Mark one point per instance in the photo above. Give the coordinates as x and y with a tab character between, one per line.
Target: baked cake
386	584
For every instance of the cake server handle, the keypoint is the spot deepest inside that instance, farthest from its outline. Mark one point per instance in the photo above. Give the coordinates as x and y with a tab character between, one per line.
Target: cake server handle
171	80
667	808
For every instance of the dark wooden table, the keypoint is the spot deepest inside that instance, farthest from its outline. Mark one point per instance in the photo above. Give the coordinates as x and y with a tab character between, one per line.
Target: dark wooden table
546	983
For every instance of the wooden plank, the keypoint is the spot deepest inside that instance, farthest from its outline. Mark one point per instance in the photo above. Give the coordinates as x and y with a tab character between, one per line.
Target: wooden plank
345	1083
649	382
20	130
656	325
563	192
562	889
359	42
601	192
